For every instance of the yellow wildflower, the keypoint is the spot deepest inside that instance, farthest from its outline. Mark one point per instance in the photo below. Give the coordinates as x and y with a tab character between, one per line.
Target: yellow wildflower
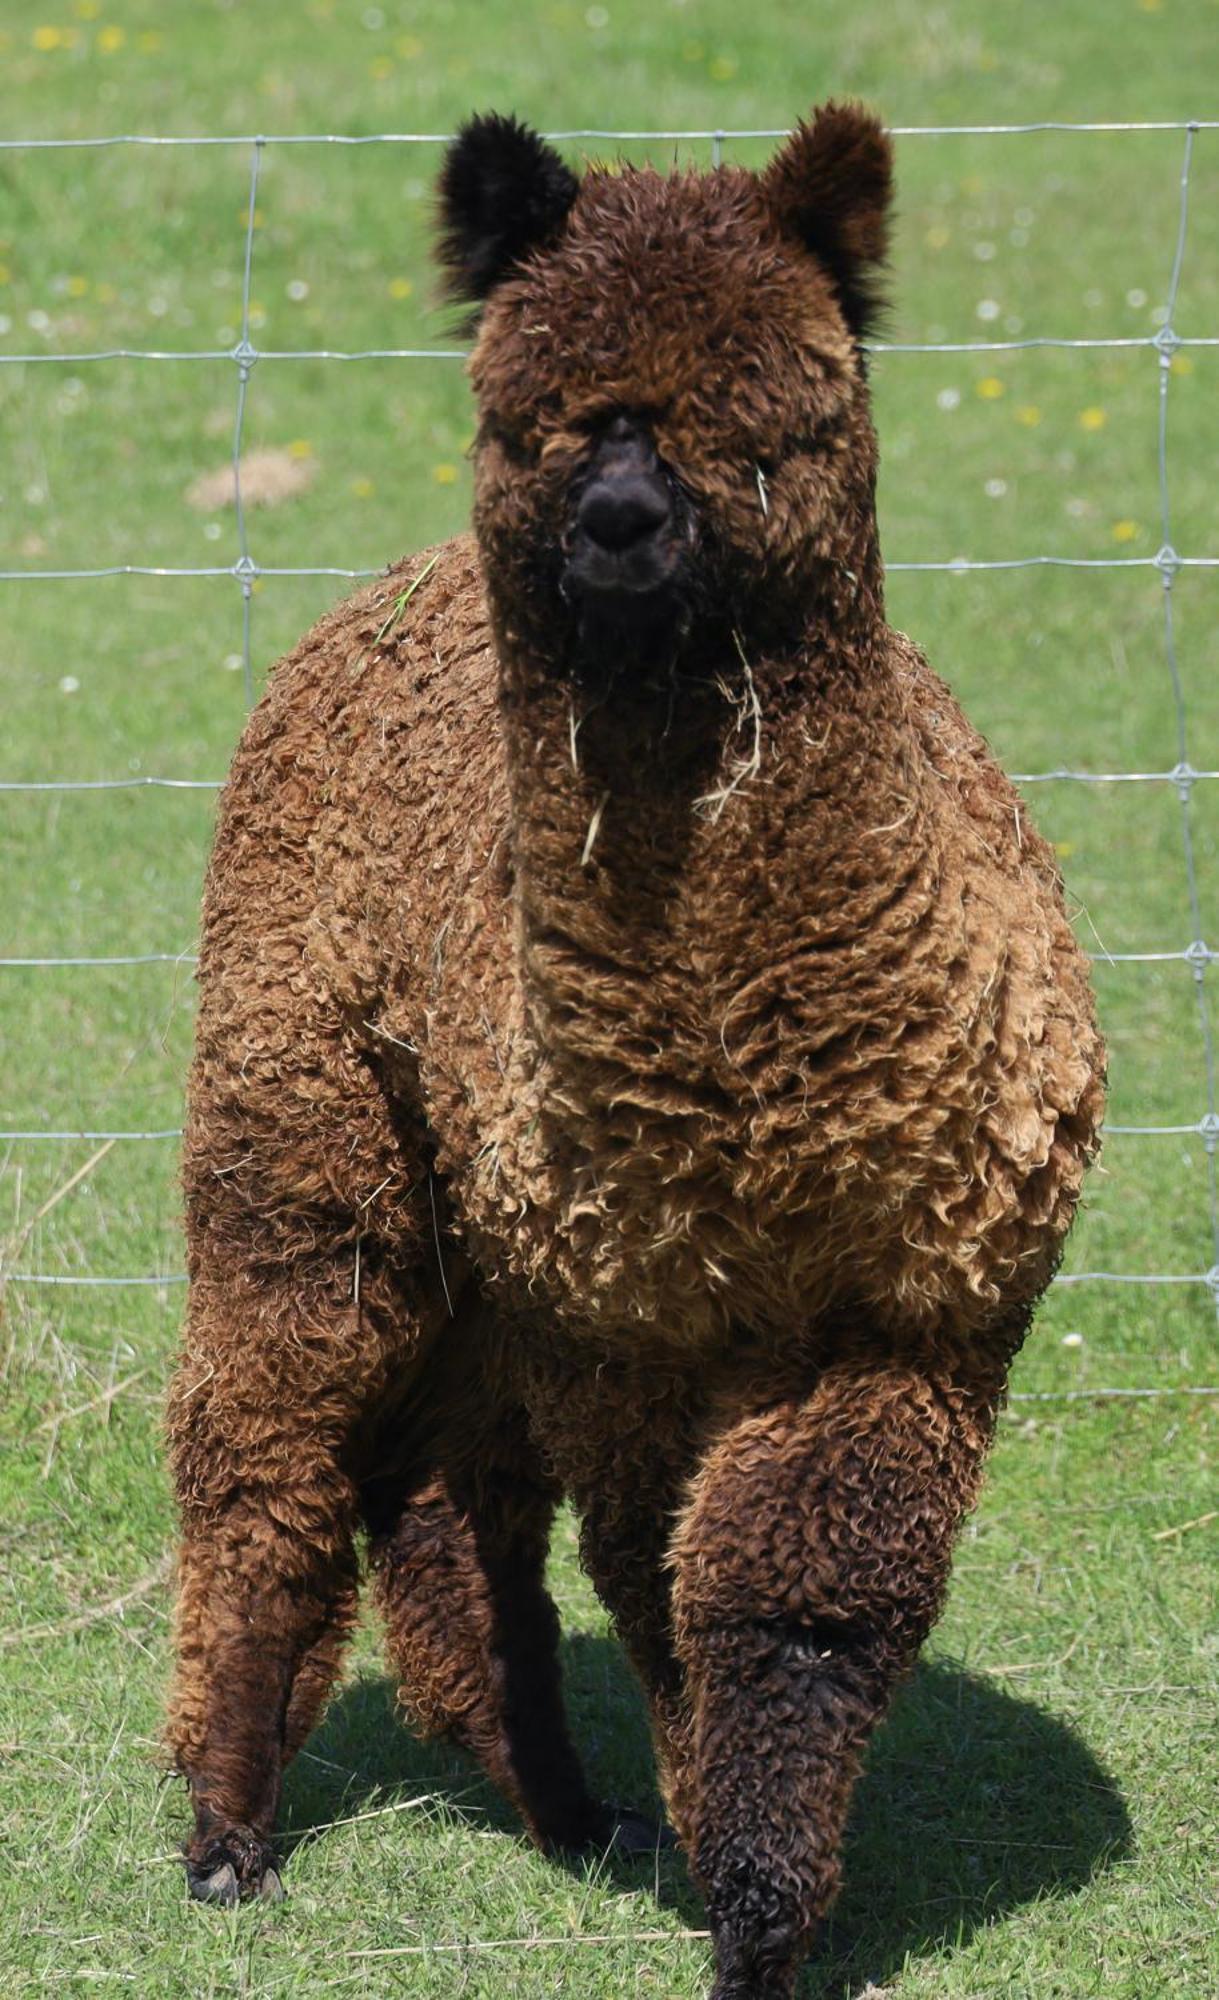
1125	531
990	388
110	40
1028	414
400	288
445	475
1093	418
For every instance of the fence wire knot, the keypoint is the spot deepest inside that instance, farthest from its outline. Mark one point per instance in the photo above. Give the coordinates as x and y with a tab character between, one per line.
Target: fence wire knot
1184	778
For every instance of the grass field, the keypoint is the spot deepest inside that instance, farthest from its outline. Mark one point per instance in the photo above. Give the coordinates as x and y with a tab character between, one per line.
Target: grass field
1037	1818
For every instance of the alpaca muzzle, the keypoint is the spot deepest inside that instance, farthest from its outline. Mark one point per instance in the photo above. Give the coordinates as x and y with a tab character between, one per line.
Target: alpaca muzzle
624	543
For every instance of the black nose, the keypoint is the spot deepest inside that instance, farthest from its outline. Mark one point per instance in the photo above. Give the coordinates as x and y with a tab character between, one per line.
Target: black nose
617	513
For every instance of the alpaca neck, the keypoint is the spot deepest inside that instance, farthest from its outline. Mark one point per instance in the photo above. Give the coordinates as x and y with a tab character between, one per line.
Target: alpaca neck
666	841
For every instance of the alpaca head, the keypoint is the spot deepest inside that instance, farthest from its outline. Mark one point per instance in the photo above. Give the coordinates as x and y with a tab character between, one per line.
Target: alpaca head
673	414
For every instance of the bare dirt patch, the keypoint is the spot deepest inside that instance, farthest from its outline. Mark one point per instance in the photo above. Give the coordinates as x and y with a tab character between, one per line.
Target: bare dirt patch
268	478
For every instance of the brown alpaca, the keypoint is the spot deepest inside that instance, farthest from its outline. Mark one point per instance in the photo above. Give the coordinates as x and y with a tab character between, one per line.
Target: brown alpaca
642	1058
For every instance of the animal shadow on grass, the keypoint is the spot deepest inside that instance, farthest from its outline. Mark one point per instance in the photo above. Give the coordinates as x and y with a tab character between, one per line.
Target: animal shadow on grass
973	1803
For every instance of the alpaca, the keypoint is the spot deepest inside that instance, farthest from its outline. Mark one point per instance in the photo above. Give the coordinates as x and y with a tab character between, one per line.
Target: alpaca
642	1060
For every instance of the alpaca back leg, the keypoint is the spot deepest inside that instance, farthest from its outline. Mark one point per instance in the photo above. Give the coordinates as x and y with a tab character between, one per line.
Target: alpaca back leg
473	1634
622	1438
625	1549
318	1670
810	1565
270	1388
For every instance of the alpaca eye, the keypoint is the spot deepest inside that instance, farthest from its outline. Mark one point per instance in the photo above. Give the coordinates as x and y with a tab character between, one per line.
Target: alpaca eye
515	442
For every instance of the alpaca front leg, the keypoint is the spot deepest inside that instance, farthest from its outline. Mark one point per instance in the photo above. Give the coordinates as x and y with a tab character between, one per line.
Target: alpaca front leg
810	1564
272	1380
263	1610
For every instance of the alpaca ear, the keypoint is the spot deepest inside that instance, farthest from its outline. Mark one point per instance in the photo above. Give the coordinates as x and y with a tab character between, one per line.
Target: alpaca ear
830	187
502	192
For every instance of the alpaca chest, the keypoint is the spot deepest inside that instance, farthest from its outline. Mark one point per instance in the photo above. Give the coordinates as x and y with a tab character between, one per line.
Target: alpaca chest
631	1200
760	1167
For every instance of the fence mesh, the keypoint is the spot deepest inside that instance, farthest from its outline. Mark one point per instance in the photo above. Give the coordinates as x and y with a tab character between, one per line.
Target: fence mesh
1166	565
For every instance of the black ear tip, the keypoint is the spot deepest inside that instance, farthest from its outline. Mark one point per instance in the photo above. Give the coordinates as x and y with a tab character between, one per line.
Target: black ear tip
502	192
853	123
831	187
496	136
488	143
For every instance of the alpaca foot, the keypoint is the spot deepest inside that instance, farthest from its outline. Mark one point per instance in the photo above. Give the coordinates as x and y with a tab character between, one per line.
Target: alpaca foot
636	1833
234	1867
629	1834
757	1959
609	1829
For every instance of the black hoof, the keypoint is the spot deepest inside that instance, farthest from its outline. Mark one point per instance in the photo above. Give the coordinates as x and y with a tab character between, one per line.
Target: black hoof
630	1834
234	1867
220	1886
272	1890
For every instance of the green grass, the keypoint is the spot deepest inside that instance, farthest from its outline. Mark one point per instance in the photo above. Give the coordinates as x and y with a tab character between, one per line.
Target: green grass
1035	1817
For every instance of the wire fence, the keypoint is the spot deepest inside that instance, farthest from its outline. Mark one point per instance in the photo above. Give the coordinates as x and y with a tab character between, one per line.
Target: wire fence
1167	564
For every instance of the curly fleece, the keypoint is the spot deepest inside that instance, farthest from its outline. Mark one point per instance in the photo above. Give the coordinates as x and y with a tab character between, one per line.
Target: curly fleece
663	1087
